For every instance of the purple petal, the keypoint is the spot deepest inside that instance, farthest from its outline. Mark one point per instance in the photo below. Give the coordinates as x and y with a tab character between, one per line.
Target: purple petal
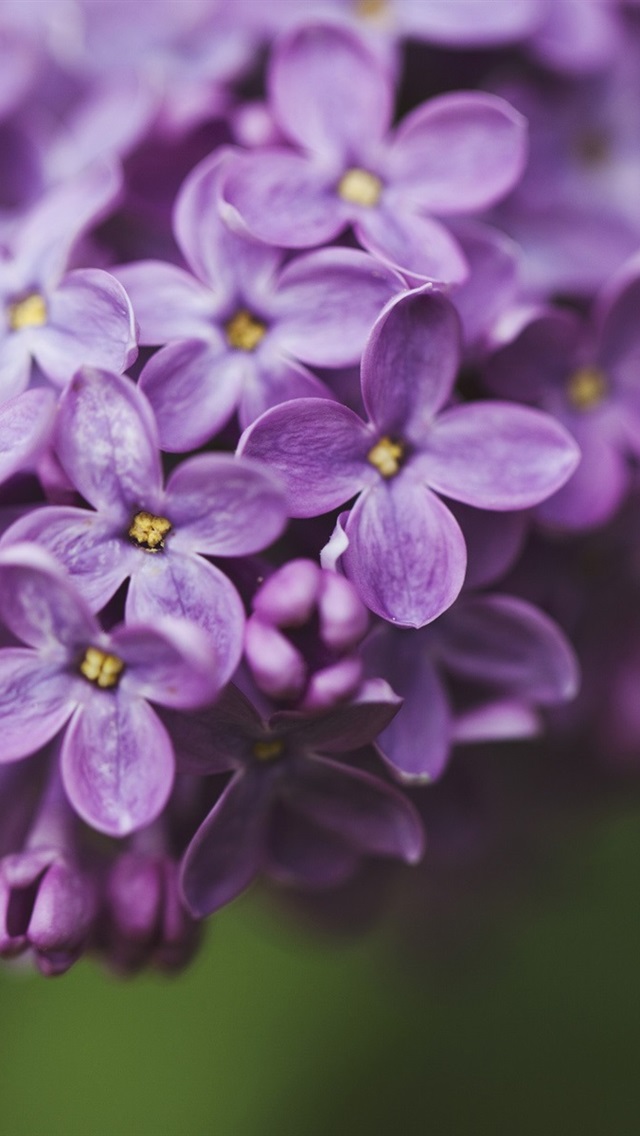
107	444
596	490
406	553
172	663
224	506
15	364
227	851
327	302
329	94
302	854
168	303
499	720
465	22
194	388
460	152
498	456
419	247
117	763
359	808
186	586
96	557
494	542
506	642
283	199
217	738
90	323
26	422
35	702
410	362
272	380
344	727
38	602
318	447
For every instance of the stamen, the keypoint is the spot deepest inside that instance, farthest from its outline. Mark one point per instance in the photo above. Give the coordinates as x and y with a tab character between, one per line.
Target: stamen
371	9
387	456
267	751
101	668
244	331
148	531
360	187
30	311
587	387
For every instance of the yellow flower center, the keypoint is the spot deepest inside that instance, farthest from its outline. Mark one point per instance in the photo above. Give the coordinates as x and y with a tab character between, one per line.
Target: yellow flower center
244	331
587	387
31	311
101	668
148	531
374	10
267	751
360	187
387	456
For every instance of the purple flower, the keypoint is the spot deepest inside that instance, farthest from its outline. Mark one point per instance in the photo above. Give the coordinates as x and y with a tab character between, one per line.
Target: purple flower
300	817
116	758
406	553
241	329
457	154
61	320
213	504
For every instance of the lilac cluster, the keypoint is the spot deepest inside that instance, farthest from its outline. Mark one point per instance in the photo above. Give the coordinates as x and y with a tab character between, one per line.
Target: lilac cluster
319	398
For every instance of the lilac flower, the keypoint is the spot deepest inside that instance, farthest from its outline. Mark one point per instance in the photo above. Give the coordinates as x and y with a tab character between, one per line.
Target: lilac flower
588	376
457	154
241	329
300	641
302	818
512	654
406	553
213	504
61	321
26	423
116	758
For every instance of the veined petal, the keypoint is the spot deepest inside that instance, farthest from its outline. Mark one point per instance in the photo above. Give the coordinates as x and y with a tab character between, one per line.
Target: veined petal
90	323
187	586
117	763
329	93
495	455
406	554
38	602
371	816
224	506
410	362
194	387
107	442
26	422
35	702
460	152
227	851
419	247
168	303
326	303
318	447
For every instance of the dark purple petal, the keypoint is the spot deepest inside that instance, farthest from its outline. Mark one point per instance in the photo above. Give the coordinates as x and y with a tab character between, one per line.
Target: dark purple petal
318	447
194	387
406	553
328	92
107	444
38	602
117	763
343	728
217	738
460	152
35	701
26	422
168	303
224	506
187	586
410	362
302	854
227	851
362	810
498	456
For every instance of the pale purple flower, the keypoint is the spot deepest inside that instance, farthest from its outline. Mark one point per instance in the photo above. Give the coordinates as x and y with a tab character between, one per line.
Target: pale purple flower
213	505
116	758
457	154
290	810
405	552
241	330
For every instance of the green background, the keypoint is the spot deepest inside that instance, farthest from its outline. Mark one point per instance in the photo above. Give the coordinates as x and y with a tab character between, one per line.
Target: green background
274	1032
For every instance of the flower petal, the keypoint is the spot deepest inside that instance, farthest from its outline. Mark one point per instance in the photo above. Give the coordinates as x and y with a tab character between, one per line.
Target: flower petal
495	455
344	727
419	247
406	553
26	422
274	379
302	854
38	602
172	663
168	303
117	763
35	702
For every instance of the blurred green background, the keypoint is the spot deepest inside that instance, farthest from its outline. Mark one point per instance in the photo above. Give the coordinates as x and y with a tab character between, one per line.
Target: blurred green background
275	1033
